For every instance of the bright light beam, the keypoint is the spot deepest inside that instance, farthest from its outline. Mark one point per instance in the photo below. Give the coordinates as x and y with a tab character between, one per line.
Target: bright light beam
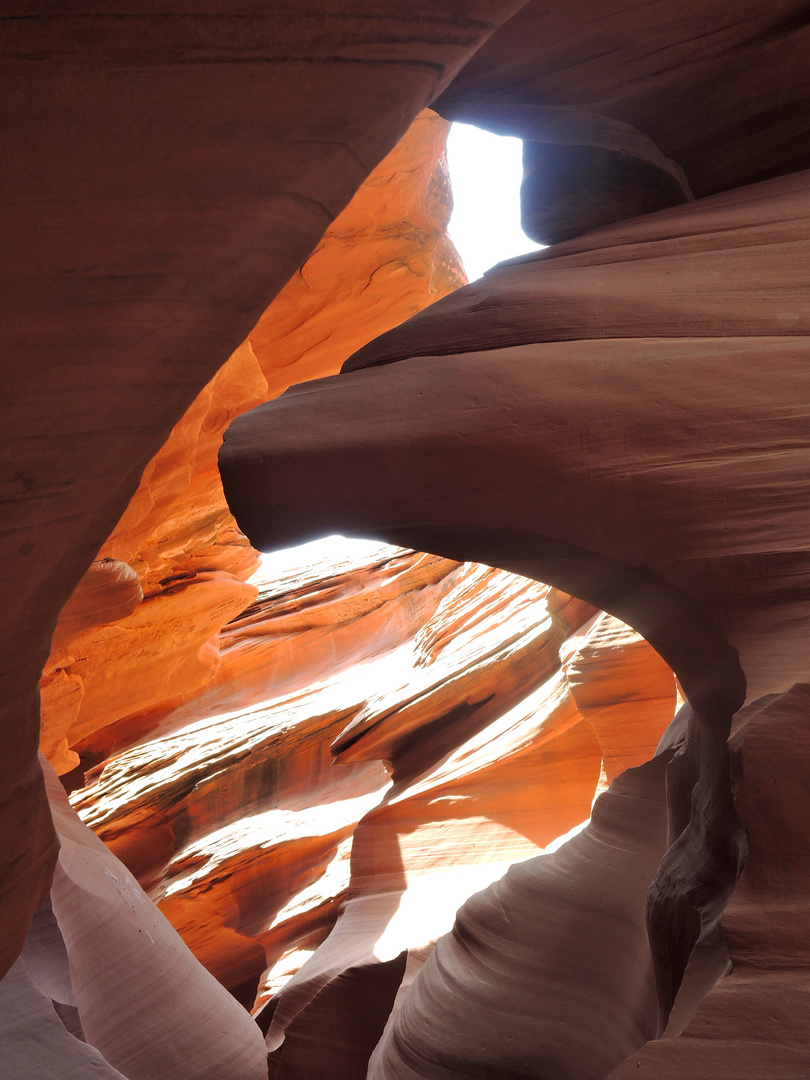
486	171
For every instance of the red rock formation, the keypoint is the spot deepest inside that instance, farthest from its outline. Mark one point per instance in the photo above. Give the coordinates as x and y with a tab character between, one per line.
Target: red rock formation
232	807
396	593
108	685
624	486
170	173
623	417
233	815
108	592
630	109
624	690
384	258
469	798
754	1022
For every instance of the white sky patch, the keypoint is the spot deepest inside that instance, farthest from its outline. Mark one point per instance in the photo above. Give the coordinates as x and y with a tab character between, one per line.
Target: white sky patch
485	172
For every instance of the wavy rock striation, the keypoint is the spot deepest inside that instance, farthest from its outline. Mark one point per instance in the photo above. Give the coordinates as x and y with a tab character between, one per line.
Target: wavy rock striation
552	961
384	258
193	164
257	842
628	109
754	1023
632	421
231	807
459	812
623	416
127	975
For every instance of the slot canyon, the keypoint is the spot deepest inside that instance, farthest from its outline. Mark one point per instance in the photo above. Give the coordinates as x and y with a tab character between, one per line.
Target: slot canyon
405	678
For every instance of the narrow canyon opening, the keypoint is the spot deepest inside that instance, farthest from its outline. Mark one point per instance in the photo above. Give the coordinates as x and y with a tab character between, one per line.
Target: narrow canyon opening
486	173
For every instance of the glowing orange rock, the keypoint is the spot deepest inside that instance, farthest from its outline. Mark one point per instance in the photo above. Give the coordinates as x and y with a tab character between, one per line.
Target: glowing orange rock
492	760
108	592
623	689
233	804
384	258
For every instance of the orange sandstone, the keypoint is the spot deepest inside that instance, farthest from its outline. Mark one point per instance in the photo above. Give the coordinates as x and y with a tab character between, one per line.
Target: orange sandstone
384	258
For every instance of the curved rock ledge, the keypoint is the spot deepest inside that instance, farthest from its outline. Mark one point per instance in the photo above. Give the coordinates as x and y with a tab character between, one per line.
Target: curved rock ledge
652	493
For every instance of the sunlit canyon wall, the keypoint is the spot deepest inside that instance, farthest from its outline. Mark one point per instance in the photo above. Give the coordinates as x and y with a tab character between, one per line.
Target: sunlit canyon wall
425	818
261	744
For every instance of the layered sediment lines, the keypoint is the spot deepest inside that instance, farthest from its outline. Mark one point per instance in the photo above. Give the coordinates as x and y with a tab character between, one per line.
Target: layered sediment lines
231	807
623	416
194	162
699	302
560	939
614	376
630	109
257	841
130	997
384	258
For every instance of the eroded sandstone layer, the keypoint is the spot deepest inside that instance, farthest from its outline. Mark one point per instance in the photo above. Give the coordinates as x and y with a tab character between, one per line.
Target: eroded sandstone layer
494	703
171	172
385	258
753	1023
623	416
616	382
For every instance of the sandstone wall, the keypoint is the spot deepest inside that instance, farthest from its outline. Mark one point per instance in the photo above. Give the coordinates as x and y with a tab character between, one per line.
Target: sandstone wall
170	172
384	258
623	416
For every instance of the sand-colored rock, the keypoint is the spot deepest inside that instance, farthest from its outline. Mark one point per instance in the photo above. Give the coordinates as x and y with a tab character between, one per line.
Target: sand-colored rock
34	1040
143	1000
629	109
548	971
492	784
166	177
231	810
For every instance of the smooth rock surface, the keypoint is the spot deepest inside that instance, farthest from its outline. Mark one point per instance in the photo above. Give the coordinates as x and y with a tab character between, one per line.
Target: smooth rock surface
620	378
170	172
646	382
754	1023
143	1000
623	416
35	1043
547	973
384	258
633	107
